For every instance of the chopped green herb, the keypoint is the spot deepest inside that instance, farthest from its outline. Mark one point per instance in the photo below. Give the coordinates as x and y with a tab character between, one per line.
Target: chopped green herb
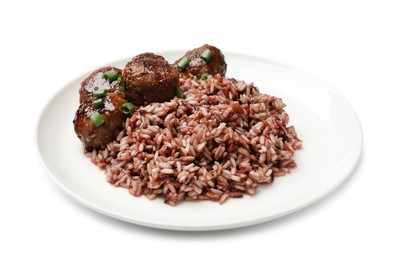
100	93
98	102
127	108
121	84
97	119
110	75
205	75
183	64
206	55
179	93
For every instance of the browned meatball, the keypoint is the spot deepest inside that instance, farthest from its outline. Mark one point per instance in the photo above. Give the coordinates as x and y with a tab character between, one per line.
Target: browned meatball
98	136
96	81
149	78
198	66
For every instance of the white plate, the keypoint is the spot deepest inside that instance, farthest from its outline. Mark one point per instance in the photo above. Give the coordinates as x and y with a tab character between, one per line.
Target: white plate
328	126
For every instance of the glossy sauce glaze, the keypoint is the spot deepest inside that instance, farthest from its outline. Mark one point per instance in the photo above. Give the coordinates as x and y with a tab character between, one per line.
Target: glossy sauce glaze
96	81
98	136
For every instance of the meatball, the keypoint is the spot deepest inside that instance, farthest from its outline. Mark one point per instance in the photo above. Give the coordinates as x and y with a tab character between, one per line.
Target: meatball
96	81
110	110
212	64
149	78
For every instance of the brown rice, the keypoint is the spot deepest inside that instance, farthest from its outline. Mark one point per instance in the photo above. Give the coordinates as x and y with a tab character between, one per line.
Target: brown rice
222	141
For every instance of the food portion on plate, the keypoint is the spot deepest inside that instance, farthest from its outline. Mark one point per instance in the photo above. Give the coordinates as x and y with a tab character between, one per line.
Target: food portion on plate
183	131
149	78
202	61
100	114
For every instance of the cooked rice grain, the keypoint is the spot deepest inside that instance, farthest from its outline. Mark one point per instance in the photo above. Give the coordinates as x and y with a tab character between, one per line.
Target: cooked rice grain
222	141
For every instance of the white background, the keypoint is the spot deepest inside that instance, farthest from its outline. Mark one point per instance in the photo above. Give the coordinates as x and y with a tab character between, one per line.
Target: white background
349	44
